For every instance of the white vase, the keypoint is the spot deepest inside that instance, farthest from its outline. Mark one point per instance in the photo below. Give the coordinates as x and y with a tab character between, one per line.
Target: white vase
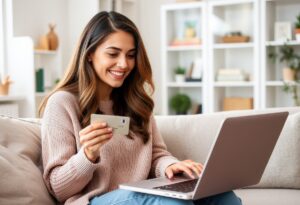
179	78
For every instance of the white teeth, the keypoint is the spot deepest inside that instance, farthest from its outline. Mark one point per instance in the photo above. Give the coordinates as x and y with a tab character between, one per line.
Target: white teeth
117	73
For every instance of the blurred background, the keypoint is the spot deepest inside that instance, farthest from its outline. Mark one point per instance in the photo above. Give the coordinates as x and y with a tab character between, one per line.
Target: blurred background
206	56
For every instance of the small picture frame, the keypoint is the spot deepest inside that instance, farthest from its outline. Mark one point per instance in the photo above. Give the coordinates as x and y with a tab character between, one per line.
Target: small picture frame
283	31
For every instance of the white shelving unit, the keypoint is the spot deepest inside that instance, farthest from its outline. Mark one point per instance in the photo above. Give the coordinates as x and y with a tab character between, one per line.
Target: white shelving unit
254	18
225	17
182	55
50	62
272	94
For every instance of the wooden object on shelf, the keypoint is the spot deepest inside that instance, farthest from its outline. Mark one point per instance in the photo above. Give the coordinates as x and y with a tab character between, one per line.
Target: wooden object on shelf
43	43
235	39
4	89
237	103
52	38
186	42
4	86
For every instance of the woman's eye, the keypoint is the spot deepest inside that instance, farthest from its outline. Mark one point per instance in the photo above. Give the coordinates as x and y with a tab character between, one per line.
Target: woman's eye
113	55
131	56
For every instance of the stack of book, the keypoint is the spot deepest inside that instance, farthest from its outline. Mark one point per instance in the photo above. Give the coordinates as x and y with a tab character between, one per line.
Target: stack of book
231	75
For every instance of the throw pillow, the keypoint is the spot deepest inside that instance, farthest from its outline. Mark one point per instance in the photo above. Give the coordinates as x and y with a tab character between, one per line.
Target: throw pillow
283	169
21	180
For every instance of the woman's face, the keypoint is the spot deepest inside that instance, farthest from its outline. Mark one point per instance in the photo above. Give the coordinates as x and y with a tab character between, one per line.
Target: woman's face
114	59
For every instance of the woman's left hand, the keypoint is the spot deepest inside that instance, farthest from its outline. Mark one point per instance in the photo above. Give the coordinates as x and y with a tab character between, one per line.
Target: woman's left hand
189	167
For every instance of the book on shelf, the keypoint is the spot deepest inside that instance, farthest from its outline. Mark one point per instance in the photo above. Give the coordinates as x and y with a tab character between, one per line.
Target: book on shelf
197	108
231	75
193	80
230	71
231	78
194	73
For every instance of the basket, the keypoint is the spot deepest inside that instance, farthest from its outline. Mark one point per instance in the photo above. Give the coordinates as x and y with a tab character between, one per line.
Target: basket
235	39
236	103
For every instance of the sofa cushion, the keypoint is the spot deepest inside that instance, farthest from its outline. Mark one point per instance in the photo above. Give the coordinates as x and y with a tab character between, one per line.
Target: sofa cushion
192	136
269	196
283	169
21	180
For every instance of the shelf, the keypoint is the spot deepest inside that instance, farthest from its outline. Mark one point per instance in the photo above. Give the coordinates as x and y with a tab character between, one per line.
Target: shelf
185	84
185	48
11	98
284	1
274	83
44	52
280	83
234	84
41	94
281	43
232	45
229	3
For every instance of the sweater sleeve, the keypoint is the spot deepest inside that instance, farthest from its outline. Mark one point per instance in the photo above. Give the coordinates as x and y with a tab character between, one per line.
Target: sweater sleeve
66	169
161	158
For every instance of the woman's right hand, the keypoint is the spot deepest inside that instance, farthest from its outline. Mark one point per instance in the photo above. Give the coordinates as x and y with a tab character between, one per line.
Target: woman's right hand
93	137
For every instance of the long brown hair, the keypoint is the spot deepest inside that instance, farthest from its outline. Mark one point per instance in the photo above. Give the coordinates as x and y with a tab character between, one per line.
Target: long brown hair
131	99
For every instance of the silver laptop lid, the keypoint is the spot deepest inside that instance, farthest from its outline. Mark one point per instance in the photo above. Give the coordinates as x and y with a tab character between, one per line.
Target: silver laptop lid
240	153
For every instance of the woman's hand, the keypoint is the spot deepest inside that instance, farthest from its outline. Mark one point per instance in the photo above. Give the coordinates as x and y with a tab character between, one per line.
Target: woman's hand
189	167
93	137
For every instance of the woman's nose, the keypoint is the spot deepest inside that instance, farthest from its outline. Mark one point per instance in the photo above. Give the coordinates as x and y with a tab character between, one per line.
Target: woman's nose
122	62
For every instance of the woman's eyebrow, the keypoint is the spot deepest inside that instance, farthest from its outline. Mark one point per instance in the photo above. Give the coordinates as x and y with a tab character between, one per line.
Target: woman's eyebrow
119	49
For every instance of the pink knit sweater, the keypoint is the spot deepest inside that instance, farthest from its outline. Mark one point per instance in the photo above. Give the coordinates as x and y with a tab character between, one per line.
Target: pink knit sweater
71	177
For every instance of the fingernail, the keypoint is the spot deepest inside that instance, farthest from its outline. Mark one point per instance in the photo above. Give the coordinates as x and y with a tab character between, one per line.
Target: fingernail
109	129
103	123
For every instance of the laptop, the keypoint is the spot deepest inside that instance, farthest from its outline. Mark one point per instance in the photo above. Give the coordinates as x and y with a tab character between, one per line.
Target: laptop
237	159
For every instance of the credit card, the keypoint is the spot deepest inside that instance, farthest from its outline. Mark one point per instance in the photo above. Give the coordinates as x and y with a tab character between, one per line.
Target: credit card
119	124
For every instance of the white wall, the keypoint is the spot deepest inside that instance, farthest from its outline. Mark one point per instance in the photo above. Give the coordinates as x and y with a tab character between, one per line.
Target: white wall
1	39
79	13
32	18
70	17
149	25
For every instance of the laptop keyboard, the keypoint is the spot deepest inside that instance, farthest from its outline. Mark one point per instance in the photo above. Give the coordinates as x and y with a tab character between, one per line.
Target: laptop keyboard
184	187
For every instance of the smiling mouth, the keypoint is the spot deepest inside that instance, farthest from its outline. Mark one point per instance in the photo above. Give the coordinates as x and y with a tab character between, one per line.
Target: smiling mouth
117	74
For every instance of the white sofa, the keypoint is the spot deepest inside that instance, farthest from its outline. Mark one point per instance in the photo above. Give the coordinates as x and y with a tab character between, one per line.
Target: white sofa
186	137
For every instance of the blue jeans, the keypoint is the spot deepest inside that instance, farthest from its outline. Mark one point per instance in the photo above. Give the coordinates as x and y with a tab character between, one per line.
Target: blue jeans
124	197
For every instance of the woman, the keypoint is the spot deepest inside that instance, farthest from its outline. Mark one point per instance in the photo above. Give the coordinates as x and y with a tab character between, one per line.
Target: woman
84	163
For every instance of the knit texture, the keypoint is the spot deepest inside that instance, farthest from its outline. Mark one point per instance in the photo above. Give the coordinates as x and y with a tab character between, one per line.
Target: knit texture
71	177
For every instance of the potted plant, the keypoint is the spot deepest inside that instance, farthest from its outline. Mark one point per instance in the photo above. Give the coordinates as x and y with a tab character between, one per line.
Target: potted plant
291	71
288	56
180	74
180	103
297	28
